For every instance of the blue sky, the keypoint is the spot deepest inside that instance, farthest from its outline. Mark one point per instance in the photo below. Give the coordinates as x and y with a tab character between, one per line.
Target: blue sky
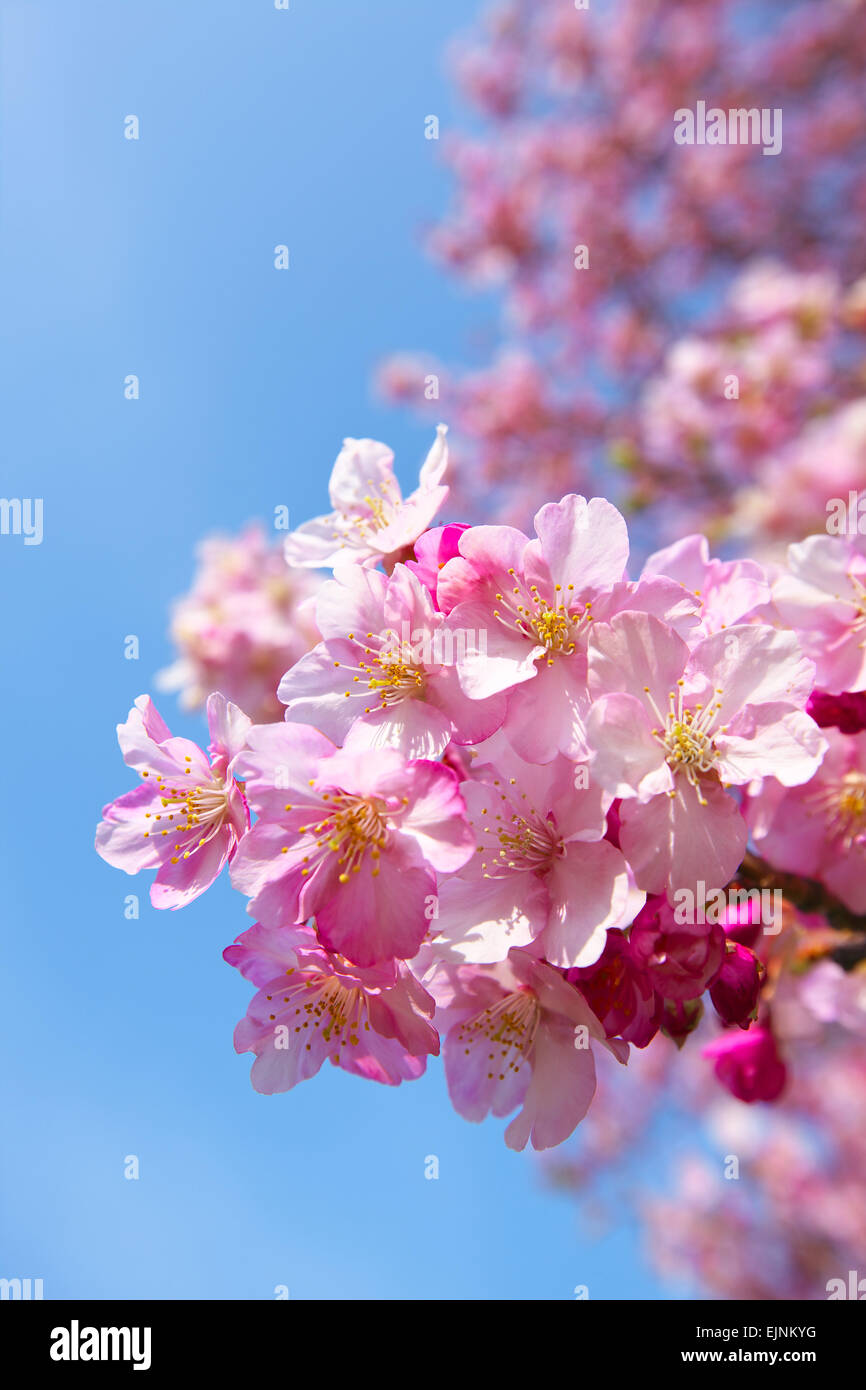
155	257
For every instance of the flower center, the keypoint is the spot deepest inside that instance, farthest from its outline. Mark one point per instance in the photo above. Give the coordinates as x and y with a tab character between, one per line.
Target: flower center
392	673
353	825
398	680
507	1029
555	626
524	845
322	1001
203	807
687	745
686	735
527	842
843	804
381	507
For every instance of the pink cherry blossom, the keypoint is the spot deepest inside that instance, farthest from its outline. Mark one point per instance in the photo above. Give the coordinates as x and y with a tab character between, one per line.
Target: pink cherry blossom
698	359
247	617
518	1034
313	1006
354	837
533	602
835	996
819	829
189	814
371	520
753	259
737	986
386	669
542	873
823	598
729	590
671	729
844	711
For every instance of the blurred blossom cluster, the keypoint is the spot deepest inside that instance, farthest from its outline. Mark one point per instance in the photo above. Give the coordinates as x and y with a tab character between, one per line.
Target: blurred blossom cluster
245	619
791	1224
638	276
752	426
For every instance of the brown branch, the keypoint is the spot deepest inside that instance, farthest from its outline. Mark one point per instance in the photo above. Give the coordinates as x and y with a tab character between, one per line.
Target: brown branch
809	896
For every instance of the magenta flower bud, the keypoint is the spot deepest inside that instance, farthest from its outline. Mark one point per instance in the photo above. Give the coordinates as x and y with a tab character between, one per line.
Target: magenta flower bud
846	712
618	993
433	550
613	824
748	1064
680	1017
679	959
742	922
737	986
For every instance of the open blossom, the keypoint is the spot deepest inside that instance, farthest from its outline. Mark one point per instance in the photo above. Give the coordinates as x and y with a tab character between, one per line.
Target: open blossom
313	1006
188	816
728	590
518	1034
387	666
351	836
823	598
247	617
534	603
819	829
671	729
542	872
371	521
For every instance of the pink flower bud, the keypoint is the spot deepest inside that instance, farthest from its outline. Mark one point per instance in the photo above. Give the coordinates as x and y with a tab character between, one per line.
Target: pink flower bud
679	959
736	988
748	1064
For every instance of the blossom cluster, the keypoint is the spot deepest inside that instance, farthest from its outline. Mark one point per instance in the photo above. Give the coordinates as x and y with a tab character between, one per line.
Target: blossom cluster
508	808
245	619
682	330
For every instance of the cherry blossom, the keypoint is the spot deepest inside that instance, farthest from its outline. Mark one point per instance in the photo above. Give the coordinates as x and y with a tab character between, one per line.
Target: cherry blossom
189	815
819	829
518	1034
823	598
670	730
313	1006
354	837
370	519
542	873
387	668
